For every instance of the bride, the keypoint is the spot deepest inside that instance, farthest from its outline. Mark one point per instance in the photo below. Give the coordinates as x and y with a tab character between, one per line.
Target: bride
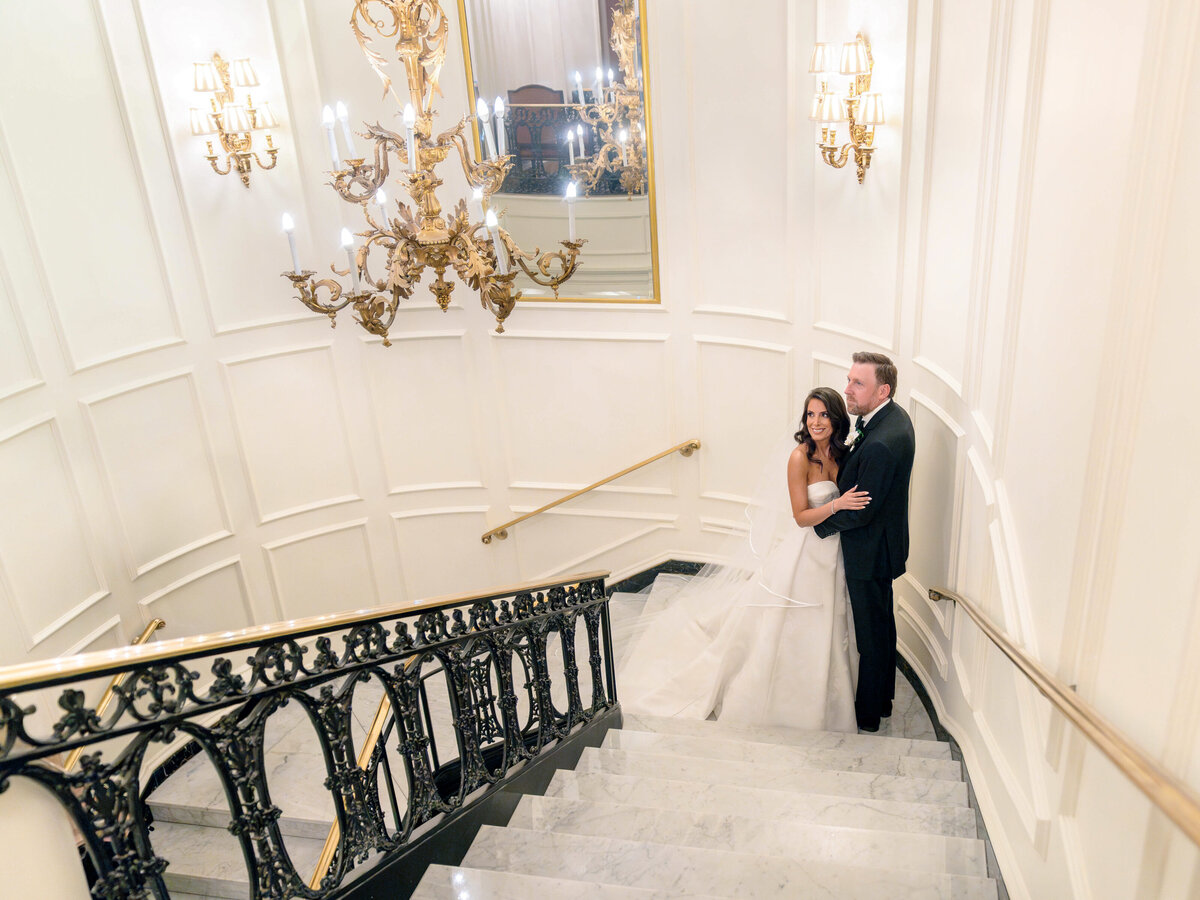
768	639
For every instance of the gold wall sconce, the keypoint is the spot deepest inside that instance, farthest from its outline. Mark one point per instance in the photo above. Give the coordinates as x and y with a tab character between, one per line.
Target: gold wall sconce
232	120
861	108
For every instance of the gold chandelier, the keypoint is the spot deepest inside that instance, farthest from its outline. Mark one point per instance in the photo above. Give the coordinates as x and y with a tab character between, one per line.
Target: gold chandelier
231	119
861	108
482	254
615	116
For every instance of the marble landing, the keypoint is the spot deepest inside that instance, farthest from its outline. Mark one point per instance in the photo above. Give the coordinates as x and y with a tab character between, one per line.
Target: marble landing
834	844
455	882
779	778
720	873
790	737
762	803
875	761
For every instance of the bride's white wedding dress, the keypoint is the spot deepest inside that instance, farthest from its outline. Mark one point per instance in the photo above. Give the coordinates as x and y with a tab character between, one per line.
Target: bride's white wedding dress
769	643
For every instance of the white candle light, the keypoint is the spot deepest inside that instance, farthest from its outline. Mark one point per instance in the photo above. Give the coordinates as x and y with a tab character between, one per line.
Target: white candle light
571	144
343	116
477	200
612	83
481	113
572	192
348	243
327	123
289	226
623	137
579	87
579	134
500	136
598	86
410	124
381	202
492	224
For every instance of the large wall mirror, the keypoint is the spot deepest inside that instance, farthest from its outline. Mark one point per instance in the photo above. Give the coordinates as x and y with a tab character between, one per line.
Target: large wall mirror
571	79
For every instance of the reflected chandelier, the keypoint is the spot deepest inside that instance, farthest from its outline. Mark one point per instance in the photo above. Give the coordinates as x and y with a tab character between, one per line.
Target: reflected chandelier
482	254
231	119
615	116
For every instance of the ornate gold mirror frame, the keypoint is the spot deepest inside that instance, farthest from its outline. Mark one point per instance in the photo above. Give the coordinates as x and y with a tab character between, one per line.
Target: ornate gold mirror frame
594	245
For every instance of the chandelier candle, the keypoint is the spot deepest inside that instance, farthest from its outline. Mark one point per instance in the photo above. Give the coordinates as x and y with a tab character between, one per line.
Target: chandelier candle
381	202
492	224
579	87
500	136
348	243
623	137
572	193
343	116
579	134
289	227
571	144
327	124
612	83
410	126
481	112
598	86
477	201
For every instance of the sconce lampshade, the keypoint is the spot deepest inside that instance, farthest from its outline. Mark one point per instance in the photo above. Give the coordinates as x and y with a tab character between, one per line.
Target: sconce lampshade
264	118
870	109
822	60
202	122
854	58
818	99
206	77
235	118
832	108
244	74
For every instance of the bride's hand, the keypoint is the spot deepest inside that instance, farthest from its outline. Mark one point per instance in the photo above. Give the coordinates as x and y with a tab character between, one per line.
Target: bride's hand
853	499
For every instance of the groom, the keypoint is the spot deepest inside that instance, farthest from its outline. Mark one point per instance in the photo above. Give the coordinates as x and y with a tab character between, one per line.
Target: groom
874	539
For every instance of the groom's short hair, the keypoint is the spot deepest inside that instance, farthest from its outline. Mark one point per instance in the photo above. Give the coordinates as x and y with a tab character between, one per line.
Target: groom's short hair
885	369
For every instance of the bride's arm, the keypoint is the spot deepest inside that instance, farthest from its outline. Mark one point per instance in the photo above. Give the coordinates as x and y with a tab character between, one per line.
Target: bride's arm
797	476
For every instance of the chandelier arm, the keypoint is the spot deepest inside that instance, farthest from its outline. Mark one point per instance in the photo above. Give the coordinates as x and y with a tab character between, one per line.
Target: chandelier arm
274	154
212	161
487	175
840	160
309	294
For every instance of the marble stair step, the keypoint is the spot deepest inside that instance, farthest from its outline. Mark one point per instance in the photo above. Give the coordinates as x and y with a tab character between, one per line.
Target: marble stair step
208	861
218	817
716	872
455	882
777	778
705	747
732	799
795	737
744	834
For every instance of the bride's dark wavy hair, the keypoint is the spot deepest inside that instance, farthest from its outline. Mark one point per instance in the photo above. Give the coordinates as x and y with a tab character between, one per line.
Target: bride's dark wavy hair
838	418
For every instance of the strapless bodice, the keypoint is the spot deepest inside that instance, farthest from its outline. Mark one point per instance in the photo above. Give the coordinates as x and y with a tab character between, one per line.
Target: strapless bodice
821	492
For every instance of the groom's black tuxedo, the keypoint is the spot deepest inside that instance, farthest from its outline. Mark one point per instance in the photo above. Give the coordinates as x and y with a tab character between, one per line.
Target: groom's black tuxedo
875	548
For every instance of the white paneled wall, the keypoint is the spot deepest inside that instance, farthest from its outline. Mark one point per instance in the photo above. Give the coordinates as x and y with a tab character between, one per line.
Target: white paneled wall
180	438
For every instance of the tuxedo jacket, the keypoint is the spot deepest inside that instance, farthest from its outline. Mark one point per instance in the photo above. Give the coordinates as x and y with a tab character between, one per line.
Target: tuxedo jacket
875	539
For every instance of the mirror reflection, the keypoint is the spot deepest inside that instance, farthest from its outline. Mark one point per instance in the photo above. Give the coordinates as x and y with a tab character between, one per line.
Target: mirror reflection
560	85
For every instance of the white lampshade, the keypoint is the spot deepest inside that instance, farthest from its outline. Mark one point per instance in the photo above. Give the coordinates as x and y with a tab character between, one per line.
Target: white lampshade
206	77
202	122
244	74
822	60
817	100
235	118
870	109
832	108
854	58
264	118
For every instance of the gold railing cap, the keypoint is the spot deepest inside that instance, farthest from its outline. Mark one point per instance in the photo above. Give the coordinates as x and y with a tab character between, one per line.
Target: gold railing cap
98	661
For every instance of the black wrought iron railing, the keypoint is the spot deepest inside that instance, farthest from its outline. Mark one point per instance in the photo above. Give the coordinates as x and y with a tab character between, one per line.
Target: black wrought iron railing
506	664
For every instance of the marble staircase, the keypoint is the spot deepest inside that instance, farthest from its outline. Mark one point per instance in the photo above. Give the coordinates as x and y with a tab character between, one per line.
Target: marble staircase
676	808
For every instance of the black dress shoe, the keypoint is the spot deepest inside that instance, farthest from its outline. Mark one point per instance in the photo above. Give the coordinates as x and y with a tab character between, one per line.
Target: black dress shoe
868	729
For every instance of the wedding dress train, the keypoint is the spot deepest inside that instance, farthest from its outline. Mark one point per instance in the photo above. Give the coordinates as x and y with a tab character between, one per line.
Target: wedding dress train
771	644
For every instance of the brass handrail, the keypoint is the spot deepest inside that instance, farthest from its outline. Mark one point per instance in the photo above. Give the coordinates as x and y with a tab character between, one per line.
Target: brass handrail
1178	801
687	448
111	690
364	758
68	667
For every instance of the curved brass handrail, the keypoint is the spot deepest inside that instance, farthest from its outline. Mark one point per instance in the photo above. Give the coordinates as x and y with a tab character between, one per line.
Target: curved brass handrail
1178	801
99	661
687	448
